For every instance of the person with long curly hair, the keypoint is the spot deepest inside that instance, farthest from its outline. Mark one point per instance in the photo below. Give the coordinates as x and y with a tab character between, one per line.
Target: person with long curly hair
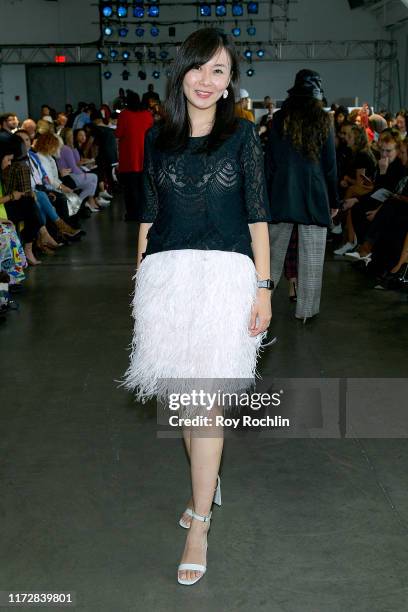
301	173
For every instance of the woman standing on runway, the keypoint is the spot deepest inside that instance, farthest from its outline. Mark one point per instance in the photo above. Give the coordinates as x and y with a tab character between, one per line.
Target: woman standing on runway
301	174
202	301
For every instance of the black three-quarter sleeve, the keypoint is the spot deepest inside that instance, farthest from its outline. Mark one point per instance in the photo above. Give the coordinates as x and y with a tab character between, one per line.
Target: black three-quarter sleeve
256	197
330	170
151	199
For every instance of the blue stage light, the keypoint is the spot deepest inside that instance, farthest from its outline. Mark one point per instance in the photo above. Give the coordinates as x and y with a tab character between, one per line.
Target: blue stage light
108	31
205	9
220	8
139	32
107	10
236	32
248	53
122	11
156	74
100	56
237	9
250	72
139	55
125	55
153	11
251	31
260	52
154	31
252	8
163	55
107	74
113	53
123	32
138	12
151	55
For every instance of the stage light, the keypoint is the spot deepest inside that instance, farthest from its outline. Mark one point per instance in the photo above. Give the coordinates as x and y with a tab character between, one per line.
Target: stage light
236	32
108	31
250	72
220	10
248	54
163	55
125	75
139	55
205	9
122	11
154	31
138	11
260	52
142	75
151	55
113	53
139	32
107	74
252	8
100	56
156	74
123	32
107	10
251	31
237	9
126	55
153	11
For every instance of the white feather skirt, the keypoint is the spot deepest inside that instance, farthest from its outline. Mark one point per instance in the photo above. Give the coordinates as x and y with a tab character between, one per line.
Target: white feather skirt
191	311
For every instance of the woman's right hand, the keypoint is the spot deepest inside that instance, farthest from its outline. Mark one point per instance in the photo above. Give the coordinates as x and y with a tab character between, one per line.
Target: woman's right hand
17	195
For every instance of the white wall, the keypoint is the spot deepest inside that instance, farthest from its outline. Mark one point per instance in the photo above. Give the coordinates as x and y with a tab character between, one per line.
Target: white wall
70	21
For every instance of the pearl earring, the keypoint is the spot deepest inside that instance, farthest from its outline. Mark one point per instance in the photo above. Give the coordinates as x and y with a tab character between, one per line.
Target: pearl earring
225	94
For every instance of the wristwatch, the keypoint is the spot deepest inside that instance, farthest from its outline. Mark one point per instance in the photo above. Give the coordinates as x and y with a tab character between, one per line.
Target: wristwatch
266	284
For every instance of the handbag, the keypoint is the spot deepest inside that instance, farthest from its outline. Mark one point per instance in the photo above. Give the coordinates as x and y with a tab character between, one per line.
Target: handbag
73	203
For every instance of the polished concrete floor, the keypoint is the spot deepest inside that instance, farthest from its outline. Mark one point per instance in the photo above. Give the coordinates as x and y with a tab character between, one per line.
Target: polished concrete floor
90	496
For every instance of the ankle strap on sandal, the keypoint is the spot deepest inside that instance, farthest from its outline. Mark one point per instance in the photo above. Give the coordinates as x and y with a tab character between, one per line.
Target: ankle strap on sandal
200	517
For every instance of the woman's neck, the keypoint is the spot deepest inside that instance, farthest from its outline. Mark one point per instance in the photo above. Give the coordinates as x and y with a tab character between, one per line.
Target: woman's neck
201	120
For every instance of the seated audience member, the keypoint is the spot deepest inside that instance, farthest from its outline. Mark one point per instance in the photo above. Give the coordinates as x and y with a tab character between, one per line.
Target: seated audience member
339	117
12	256
8	125
60	123
385	247
86	182
18	206
47	198
391	171
378	124
401	123
29	126
357	178
82	118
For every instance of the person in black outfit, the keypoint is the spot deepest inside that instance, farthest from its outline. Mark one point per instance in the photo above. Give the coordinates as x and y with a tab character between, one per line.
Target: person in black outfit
150	94
391	171
107	156
202	301
301	175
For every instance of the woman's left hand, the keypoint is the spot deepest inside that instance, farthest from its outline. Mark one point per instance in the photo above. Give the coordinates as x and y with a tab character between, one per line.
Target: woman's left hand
261	313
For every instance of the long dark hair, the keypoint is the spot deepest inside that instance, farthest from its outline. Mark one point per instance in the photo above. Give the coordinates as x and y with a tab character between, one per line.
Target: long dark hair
175	126
306	124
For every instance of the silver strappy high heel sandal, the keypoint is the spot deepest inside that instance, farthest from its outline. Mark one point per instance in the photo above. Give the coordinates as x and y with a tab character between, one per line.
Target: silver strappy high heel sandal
216	500
195	566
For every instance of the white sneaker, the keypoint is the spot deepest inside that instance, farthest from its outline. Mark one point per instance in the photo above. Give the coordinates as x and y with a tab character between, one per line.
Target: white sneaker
103	203
93	210
105	195
349	246
357	257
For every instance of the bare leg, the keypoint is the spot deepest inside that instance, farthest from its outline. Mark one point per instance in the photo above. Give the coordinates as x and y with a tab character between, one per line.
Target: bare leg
205	457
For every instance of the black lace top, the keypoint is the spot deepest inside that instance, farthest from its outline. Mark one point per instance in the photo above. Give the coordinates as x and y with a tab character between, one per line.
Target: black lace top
200	201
